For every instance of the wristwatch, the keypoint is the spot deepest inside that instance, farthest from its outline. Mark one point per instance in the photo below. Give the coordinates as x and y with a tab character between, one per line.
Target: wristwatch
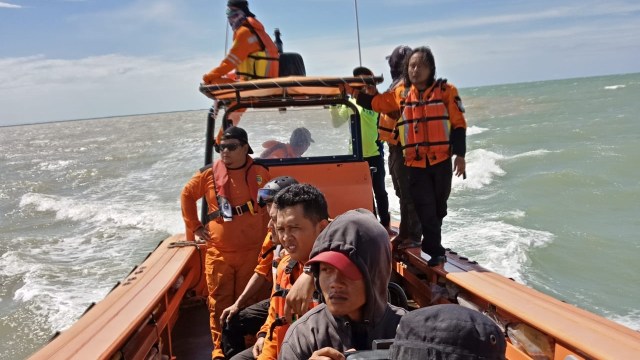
307	270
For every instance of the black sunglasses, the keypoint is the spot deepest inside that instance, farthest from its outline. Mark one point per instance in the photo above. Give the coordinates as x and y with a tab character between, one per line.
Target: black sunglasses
230	147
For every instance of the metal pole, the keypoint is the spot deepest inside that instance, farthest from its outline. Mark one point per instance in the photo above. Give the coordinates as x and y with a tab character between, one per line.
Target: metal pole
355	3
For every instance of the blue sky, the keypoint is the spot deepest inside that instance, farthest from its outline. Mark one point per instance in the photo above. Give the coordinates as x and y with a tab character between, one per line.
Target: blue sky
70	59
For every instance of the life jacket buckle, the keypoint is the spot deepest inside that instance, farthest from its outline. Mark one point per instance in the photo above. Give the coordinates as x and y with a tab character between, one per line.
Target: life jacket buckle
239	210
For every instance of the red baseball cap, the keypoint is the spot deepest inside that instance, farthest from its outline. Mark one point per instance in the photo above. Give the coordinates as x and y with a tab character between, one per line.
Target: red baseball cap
340	261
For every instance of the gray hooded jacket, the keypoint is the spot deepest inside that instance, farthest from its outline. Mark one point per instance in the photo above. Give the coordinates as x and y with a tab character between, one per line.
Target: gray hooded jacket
358	235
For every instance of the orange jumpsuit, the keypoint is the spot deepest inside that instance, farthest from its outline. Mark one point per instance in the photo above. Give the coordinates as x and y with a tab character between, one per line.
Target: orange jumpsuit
253	55
276	150
234	245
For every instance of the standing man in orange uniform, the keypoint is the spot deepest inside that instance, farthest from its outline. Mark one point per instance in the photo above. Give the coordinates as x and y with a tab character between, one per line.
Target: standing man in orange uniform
253	54
237	223
433	130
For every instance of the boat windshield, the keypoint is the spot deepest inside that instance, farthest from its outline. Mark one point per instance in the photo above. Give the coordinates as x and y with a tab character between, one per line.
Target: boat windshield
294	134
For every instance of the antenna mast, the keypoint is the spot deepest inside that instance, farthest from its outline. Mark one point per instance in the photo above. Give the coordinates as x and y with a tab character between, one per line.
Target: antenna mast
355	3
226	37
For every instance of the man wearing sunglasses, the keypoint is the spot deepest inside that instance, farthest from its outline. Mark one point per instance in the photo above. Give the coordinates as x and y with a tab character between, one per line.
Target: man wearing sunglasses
237	224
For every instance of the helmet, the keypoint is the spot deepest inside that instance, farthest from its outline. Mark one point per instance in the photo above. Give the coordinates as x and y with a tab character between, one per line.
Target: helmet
270	189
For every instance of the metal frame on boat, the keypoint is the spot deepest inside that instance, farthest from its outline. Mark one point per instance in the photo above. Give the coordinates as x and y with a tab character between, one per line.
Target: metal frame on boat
144	316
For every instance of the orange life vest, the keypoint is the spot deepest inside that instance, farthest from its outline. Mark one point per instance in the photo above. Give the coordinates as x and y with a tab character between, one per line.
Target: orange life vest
254	179
286	277
261	64
426	126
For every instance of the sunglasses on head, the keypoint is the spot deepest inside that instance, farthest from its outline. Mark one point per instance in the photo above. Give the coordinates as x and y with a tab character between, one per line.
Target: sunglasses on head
265	196
230	147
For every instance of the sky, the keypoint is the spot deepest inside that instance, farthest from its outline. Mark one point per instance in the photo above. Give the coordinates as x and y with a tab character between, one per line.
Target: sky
75	59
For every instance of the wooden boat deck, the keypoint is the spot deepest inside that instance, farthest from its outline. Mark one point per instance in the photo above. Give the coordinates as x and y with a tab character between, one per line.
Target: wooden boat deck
191	336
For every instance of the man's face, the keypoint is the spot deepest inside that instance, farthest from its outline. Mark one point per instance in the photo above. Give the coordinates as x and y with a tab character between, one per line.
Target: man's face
343	296
233	153
419	70
301	148
371	90
297	233
273	214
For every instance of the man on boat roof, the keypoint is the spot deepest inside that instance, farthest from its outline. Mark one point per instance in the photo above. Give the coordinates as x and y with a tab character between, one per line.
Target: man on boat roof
253	54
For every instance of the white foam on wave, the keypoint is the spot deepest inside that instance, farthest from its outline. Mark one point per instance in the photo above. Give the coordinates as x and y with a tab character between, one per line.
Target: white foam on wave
106	215
482	168
631	320
614	87
532	153
496	245
55	165
475	130
41	292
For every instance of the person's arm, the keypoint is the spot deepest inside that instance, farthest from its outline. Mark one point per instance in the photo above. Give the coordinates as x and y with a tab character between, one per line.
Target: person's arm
265	348
381	103
299	297
253	286
339	115
458	134
191	193
240	50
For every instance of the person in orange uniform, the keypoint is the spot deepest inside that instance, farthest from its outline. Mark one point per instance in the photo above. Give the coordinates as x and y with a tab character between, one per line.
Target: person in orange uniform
253	54
299	142
239	319
302	215
237	224
432	129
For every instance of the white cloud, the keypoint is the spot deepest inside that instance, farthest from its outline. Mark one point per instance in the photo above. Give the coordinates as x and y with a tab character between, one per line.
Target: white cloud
564	12
9	6
35	89
142	12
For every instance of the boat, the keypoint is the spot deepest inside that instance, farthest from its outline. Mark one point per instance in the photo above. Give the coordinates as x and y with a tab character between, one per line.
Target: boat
159	310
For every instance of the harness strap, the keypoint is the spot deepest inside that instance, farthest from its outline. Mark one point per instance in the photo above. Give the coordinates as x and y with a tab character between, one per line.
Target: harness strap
236	210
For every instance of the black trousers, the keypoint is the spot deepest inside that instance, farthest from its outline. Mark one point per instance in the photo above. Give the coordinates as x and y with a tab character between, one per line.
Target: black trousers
409	223
379	190
430	188
246	322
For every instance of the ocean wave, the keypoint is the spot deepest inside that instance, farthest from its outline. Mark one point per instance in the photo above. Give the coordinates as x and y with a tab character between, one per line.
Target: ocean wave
631	320
497	245
475	130
532	153
102	215
55	165
482	168
614	87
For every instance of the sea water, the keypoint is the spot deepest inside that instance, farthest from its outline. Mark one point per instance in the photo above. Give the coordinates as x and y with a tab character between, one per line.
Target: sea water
552	200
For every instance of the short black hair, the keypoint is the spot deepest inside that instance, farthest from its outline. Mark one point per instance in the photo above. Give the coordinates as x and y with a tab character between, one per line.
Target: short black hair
314	204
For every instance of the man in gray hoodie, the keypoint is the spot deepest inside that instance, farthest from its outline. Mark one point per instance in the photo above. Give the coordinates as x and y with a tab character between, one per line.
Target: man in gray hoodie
351	263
